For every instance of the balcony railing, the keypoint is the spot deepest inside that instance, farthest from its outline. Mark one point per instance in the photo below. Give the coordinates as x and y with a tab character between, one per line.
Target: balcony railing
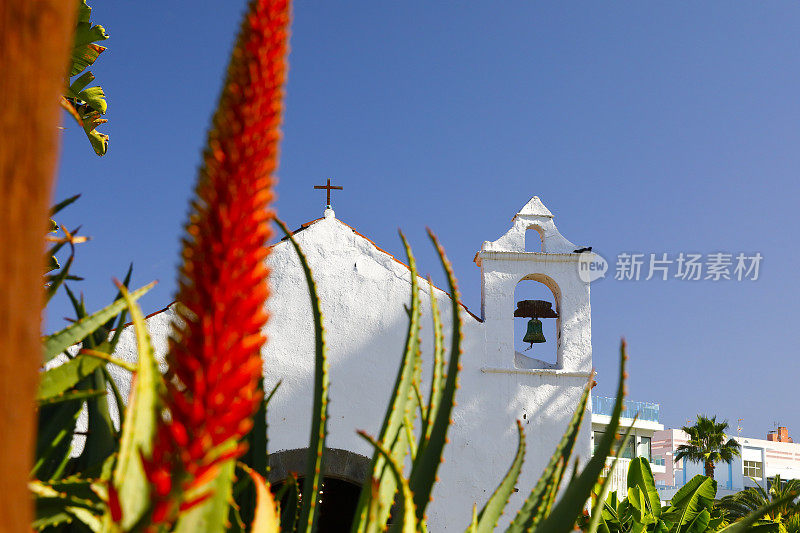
646	411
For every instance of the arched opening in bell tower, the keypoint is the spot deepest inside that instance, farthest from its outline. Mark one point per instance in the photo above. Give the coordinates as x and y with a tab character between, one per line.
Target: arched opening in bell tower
537	322
534	239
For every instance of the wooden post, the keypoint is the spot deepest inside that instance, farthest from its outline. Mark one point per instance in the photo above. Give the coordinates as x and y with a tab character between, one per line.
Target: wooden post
35	43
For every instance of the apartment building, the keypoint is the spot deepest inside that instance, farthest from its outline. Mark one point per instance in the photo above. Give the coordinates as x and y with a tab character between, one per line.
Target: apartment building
760	459
644	427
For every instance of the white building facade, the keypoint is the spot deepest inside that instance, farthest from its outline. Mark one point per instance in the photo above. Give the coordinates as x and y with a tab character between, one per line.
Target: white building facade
760	460
643	419
363	292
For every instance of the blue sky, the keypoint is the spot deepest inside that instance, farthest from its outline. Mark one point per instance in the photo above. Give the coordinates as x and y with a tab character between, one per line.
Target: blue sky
644	127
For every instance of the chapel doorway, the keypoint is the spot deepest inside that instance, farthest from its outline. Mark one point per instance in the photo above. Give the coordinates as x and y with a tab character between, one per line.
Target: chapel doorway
338	499
344	474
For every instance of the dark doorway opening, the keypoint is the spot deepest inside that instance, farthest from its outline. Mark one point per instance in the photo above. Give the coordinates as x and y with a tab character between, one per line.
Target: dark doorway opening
337	503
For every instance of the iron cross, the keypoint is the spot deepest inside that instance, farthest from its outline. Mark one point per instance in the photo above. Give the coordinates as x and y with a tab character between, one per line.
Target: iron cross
328	187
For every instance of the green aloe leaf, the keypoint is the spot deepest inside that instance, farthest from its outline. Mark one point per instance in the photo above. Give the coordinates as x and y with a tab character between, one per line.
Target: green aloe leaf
407	522
64	504
289	496
606	504
141	415
57	380
121	318
211	516
420	403
309	510
63	203
437	375
267	517
569	507
423	472
74	333
101	438
56	425
72	395
473	524
48	517
392	433
491	512
408	428
535	504
256	458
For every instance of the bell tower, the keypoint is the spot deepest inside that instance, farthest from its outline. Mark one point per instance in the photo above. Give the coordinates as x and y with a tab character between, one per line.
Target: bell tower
504	263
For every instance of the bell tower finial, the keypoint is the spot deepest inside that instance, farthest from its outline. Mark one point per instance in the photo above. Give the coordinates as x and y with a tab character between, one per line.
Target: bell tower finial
534	208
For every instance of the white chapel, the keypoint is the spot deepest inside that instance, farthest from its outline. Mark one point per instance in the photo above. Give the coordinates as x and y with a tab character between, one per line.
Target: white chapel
363	292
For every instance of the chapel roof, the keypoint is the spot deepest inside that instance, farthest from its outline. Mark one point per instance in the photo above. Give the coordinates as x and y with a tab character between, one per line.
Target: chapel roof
311	223
307	224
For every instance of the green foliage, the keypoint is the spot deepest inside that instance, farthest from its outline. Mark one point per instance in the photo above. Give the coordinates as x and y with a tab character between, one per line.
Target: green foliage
691	510
256	460
212	514
486	520
70	488
319	418
707	444
640	476
87	326
536	514
56	381
139	430
749	522
737	506
86	104
400	412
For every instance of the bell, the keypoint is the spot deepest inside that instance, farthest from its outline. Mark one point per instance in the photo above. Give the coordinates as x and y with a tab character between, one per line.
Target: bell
534	333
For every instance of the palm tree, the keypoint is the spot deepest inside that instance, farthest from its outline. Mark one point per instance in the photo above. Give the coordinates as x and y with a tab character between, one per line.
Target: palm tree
707	444
737	506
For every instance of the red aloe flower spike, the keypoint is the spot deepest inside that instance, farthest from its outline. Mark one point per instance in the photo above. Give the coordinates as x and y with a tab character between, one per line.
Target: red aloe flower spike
215	355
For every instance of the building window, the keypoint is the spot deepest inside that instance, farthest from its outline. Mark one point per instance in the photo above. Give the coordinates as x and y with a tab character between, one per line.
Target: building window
598	436
644	448
628	452
753	469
